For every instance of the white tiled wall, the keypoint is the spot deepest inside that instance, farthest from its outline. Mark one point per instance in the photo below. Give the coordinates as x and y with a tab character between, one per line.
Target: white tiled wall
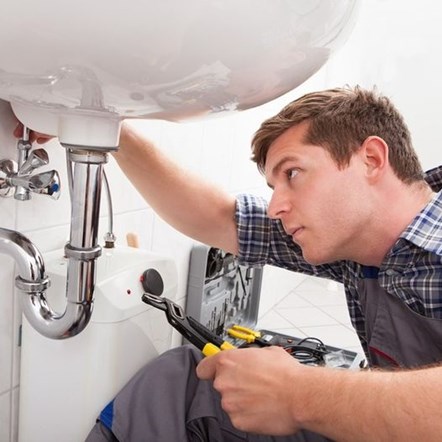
394	45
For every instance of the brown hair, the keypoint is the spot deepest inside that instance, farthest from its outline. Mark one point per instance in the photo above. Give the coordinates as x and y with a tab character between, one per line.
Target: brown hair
339	121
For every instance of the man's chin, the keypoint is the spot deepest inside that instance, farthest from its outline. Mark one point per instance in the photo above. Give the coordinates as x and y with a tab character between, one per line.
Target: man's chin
314	260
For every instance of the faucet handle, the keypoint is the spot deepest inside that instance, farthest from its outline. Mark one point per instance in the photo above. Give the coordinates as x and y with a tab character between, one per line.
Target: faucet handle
45	183
8	168
36	159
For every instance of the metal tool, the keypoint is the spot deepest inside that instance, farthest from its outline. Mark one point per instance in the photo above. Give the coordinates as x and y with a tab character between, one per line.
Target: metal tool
196	333
248	335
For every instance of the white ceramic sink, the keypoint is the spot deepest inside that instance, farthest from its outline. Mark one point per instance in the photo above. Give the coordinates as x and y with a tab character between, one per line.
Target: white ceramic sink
170	59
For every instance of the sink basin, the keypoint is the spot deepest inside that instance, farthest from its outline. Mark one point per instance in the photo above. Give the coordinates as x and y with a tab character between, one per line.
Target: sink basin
106	60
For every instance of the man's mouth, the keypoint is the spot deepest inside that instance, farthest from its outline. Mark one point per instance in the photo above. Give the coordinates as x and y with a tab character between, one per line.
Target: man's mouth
295	232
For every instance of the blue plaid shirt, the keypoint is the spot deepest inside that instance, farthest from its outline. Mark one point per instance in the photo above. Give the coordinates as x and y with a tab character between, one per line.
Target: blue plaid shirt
412	270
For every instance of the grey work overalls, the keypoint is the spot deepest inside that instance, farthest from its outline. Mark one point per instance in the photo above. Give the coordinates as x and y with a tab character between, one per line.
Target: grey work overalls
165	402
396	335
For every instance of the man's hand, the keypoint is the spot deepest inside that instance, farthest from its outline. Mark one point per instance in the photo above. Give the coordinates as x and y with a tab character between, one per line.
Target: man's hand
33	136
256	387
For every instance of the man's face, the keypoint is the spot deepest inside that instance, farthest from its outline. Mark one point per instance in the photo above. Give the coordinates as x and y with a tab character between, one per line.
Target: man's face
323	208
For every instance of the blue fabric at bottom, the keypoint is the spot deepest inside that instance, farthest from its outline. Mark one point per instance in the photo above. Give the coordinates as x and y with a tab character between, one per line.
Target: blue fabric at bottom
107	415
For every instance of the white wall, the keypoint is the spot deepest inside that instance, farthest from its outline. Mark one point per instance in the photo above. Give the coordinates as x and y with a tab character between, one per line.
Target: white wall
394	45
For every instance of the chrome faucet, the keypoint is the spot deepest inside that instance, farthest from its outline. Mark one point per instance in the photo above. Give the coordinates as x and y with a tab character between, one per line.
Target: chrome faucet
19	178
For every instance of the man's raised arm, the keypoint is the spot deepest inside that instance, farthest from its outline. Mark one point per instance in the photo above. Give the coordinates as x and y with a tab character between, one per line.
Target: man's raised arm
185	201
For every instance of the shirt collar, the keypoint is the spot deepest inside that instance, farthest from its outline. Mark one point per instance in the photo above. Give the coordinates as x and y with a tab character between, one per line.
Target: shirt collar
434	178
425	230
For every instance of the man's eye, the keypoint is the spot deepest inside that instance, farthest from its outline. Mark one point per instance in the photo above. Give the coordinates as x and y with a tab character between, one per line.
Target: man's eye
291	173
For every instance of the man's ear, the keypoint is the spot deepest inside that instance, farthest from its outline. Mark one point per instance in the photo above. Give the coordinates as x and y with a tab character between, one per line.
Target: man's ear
374	151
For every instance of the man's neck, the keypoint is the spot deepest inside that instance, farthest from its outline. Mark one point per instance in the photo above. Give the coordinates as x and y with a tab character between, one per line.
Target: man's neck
401	208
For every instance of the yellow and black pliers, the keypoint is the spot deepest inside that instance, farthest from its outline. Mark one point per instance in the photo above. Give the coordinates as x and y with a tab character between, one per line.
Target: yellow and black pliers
248	335
195	332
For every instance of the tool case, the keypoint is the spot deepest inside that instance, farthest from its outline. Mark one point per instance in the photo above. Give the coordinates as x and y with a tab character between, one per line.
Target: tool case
222	293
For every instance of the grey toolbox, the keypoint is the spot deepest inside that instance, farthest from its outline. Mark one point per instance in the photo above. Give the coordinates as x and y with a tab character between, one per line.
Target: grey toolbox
222	293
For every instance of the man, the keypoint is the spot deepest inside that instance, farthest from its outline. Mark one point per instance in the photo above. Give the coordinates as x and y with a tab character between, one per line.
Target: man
351	203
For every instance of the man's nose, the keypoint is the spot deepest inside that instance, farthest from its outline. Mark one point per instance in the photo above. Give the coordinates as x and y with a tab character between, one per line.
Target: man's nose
278	206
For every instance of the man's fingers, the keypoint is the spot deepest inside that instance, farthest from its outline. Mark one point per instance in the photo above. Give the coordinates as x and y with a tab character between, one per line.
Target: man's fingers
33	136
41	139
206	369
18	131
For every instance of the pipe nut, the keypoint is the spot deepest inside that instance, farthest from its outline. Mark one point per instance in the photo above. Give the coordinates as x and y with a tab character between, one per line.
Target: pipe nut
82	254
86	156
32	286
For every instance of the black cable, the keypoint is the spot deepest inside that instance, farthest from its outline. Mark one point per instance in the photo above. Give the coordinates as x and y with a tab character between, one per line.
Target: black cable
310	339
306	354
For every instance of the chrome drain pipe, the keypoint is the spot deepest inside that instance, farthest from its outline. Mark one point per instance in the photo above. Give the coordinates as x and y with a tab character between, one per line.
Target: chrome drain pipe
82	252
